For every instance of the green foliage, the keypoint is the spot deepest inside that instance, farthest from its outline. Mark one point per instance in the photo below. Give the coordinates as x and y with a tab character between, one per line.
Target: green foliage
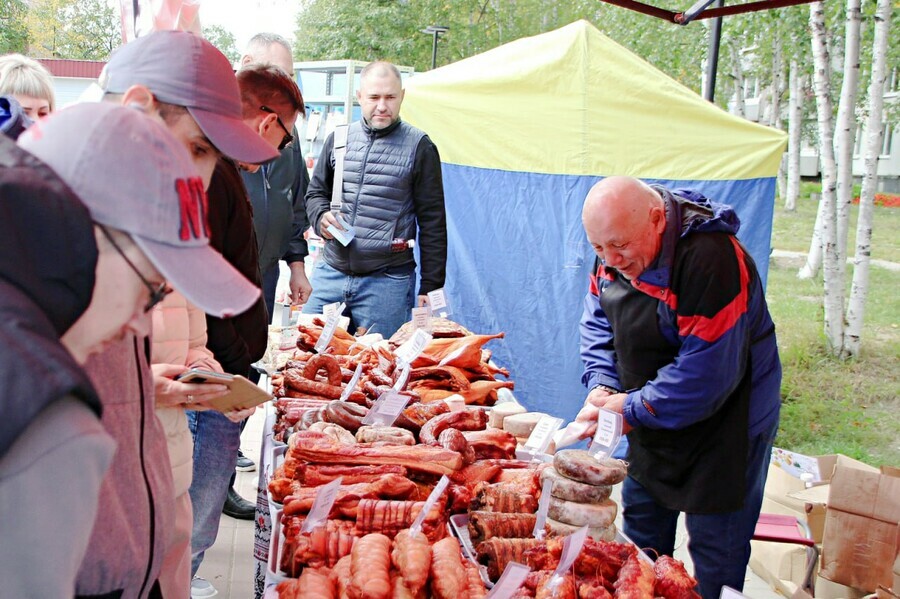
75	29
224	40
13	31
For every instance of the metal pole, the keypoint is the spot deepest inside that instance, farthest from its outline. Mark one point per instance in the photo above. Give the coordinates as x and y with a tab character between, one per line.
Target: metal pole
434	49
712	56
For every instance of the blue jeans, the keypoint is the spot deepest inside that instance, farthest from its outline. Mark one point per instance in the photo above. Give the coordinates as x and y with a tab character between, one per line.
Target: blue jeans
216	443
383	299
719	543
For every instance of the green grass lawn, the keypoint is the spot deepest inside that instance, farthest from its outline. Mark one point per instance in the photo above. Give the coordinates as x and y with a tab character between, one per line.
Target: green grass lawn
833	406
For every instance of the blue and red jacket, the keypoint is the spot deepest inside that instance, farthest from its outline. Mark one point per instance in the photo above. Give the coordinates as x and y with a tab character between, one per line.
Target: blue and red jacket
687	339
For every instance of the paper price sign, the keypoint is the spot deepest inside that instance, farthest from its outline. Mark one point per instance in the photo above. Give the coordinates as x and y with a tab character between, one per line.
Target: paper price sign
404	376
571	548
543	508
608	435
437	299
421	318
322	505
413	347
513	576
344	237
385	411
351	386
328	332
429	504
729	593
329	309
540	437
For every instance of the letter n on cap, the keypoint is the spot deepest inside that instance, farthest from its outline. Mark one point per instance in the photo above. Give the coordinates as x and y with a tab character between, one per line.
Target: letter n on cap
193	206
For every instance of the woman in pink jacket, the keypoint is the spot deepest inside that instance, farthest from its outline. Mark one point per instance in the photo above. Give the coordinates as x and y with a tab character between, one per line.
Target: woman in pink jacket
179	344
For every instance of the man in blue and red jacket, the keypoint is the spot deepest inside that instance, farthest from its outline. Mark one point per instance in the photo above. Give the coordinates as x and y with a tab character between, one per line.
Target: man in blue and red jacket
676	336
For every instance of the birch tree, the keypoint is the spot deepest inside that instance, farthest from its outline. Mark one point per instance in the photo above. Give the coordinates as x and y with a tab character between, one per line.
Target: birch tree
845	131
834	285
795	125
874	131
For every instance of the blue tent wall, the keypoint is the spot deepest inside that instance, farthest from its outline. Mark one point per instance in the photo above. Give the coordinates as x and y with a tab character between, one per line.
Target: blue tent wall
519	262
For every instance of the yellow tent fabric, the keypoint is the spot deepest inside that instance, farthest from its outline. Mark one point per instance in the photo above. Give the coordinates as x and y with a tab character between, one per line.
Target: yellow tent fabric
573	102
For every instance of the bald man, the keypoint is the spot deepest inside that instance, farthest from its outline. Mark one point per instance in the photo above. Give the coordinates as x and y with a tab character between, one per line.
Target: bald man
676	336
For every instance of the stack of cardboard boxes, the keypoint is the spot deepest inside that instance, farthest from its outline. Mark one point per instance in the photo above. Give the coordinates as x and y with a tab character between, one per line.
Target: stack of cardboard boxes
853	512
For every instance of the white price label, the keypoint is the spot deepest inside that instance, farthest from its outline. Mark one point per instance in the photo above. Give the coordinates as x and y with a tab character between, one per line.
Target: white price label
351	386
386	409
433	498
404	376
729	593
514	574
437	300
571	548
540	437
328	331
421	318
413	347
322	505
329	309
608	435
543	508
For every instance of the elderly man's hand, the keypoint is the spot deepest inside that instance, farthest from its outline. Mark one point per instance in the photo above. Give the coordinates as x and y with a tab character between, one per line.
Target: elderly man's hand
601	398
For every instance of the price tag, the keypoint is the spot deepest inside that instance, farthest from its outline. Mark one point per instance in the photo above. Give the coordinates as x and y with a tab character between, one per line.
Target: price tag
343	237
543	508
513	576
328	331
288	338
329	309
571	548
386	409
351	386
413	347
438	302
404	376
429	504
285	314
540	437
421	318
322	505
608	435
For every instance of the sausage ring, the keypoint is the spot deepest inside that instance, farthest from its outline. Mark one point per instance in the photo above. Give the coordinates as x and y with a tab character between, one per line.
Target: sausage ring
329	363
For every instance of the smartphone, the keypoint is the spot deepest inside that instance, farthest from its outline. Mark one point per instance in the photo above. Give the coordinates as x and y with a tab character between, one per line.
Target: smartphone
197	375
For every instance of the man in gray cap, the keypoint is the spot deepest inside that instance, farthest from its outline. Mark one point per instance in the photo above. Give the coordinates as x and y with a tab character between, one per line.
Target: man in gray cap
148	203
189	84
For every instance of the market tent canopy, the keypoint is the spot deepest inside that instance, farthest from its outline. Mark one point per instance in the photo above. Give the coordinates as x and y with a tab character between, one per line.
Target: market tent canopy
524	130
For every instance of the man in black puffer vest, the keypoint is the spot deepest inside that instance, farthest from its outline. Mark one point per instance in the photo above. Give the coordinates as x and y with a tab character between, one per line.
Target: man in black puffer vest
391	189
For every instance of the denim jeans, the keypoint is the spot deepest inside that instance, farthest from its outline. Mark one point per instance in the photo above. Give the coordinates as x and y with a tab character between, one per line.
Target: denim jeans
719	543
216	443
381	299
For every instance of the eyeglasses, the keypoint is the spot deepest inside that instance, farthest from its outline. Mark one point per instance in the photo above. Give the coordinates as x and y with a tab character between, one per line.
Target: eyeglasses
157	292
288	139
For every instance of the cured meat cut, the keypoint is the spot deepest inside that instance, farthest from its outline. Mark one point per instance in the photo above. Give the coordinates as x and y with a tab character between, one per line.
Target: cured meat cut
465	420
636	580
390	517
389	435
389	486
491	443
370	568
672	580
561	529
448	577
312	584
412	558
595	515
581	466
487	525
316	448
503	497
497	552
572	490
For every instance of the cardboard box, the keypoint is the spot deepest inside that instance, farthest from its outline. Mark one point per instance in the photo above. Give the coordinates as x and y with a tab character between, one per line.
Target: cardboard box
781	565
862	534
825	589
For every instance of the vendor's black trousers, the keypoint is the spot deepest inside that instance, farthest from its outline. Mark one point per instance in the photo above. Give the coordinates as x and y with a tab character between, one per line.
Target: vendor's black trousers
719	543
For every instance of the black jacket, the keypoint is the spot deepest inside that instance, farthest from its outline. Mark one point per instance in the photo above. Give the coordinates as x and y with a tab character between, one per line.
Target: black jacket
47	260
239	341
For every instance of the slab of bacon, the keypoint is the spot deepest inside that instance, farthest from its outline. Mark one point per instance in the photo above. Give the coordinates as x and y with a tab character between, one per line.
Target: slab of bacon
388	486
491	443
503	497
487	525
318	449
390	517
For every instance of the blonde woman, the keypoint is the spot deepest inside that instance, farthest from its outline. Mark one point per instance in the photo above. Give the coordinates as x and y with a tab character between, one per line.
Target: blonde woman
29	83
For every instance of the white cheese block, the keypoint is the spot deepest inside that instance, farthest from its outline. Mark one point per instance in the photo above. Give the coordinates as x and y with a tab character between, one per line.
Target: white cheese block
500	411
521	425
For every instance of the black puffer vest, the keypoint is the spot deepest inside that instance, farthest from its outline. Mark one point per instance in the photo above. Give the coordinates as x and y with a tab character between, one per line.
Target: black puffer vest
377	198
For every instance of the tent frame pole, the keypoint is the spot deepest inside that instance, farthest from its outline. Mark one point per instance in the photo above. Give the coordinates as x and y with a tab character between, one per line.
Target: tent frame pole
712	55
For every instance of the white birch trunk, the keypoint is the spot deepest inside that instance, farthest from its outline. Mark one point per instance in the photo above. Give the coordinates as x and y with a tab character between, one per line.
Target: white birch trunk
845	130
777	90
795	118
738	73
874	130
834	286
814	256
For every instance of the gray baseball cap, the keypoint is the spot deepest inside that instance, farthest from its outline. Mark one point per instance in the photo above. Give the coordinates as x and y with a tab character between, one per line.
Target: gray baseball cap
184	69
134	176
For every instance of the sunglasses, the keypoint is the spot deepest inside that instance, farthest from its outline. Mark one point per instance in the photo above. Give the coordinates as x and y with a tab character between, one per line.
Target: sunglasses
157	292
288	139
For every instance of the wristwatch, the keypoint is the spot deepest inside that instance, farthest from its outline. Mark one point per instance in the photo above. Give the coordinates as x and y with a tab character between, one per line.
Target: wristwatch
605	388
